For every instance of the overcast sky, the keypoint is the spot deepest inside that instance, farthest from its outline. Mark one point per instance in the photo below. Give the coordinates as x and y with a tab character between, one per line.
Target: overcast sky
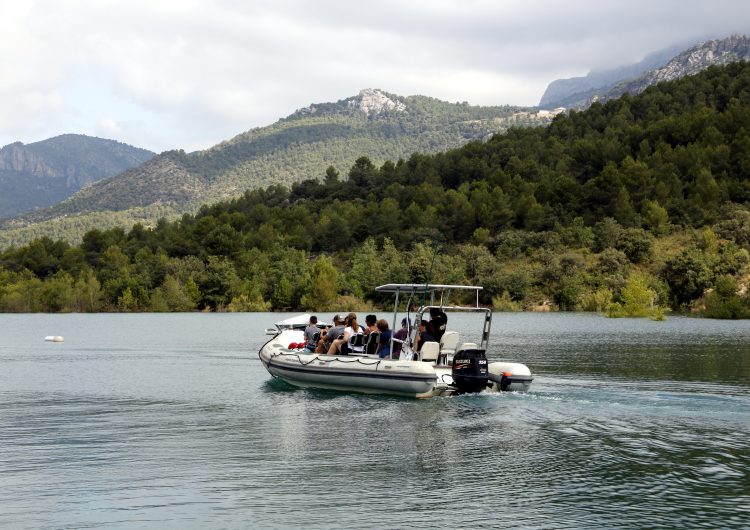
167	74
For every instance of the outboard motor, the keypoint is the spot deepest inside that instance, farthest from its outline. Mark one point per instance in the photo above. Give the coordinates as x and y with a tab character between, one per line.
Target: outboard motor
470	371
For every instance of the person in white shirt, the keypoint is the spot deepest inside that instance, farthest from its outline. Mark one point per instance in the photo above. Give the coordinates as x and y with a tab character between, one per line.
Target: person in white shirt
352	328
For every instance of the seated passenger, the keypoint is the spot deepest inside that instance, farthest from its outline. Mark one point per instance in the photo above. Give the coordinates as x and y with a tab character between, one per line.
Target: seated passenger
401	335
311	334
370	326
423	335
328	336
341	345
385	339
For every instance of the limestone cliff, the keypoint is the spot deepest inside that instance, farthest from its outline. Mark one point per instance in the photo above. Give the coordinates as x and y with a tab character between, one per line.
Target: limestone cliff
42	173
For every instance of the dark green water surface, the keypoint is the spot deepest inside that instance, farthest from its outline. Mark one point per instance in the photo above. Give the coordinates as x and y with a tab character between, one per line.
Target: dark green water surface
170	421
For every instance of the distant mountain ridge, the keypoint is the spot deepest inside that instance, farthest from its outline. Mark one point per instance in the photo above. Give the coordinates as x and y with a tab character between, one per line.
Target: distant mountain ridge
374	123
568	92
689	62
43	173
669	64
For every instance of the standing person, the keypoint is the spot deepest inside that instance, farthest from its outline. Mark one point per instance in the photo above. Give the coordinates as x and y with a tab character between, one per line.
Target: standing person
402	334
311	331
438	321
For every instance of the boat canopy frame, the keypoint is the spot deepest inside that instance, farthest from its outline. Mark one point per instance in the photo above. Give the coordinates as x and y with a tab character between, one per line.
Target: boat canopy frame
442	292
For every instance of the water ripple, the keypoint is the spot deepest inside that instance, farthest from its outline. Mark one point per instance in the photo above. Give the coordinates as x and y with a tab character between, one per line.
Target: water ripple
163	434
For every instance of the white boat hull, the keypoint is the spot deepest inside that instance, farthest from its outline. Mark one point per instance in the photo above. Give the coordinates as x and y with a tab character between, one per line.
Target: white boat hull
369	374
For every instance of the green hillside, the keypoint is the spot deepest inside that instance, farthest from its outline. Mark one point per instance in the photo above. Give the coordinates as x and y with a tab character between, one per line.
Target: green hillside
632	206
296	148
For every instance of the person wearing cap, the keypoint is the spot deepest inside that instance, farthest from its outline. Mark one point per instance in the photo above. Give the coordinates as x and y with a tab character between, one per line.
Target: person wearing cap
327	337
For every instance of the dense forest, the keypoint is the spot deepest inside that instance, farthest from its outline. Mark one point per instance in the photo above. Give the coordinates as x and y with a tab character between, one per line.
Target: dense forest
641	202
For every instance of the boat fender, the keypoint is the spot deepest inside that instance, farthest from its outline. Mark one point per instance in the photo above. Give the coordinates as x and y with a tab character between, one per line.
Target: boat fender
503	379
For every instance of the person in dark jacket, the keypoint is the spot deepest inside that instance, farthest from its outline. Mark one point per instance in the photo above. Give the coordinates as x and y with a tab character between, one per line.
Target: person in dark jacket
424	334
385	338
438	321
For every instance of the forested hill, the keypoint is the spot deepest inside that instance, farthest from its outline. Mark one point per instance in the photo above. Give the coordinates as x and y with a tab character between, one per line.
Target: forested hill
374	123
643	198
43	173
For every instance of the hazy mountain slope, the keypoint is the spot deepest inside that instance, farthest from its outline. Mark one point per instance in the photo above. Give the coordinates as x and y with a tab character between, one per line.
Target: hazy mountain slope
572	91
374	123
579	93
689	62
43	173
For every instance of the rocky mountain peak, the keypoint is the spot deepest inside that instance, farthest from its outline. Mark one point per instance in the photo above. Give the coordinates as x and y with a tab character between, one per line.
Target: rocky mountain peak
372	101
369	101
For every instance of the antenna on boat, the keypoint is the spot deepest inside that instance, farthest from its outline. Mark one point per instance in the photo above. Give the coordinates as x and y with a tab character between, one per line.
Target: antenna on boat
435	247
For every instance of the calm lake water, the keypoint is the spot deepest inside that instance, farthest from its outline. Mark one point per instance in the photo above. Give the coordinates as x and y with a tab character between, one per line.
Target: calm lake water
170	421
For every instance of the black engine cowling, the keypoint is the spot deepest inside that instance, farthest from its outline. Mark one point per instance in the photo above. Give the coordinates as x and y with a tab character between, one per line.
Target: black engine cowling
470	371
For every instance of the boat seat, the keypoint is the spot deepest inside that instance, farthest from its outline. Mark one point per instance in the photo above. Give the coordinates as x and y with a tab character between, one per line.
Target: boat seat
429	351
372	345
357	343
468	346
448	342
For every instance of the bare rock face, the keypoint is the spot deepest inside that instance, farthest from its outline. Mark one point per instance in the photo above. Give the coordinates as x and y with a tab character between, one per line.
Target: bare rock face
374	102
370	102
42	173
16	157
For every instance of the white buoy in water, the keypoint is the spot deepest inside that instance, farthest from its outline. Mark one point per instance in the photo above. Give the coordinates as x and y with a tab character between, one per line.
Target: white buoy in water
54	338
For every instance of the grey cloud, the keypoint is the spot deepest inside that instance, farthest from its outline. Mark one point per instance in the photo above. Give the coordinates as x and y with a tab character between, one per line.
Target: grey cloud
219	68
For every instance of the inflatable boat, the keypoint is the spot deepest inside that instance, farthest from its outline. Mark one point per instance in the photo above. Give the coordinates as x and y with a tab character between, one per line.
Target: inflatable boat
440	368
